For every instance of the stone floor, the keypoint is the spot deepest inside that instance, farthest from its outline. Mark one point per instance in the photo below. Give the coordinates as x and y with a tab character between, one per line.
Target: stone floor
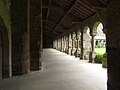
60	72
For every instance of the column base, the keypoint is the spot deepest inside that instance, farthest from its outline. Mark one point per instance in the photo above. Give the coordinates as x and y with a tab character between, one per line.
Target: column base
92	57
66	50
69	51
77	53
72	51
104	60
86	55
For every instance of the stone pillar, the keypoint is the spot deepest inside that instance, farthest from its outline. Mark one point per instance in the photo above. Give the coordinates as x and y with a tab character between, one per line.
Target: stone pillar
77	52
92	55
66	40
68	48
53	44
36	46
64	43
104	59
20	37
113	44
61	44
72	44
82	49
36	49
5	50
56	44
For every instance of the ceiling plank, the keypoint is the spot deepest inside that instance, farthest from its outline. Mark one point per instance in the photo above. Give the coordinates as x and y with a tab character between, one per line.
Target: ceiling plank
97	5
64	16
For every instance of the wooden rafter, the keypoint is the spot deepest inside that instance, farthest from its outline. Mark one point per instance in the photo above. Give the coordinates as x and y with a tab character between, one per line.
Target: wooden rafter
102	2
98	4
64	16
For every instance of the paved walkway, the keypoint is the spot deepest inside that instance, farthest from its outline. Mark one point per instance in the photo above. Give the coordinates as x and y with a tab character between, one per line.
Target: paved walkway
60	72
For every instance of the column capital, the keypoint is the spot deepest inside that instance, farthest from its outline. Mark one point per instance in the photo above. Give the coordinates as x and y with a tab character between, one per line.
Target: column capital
93	34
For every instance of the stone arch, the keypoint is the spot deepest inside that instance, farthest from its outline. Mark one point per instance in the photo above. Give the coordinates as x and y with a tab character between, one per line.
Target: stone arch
4	42
99	39
85	29
95	26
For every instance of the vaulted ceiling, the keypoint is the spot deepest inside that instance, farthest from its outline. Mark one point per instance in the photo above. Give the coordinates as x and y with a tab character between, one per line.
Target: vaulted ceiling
58	16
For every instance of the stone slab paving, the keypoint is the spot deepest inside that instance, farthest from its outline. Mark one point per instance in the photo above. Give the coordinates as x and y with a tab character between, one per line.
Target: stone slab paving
60	72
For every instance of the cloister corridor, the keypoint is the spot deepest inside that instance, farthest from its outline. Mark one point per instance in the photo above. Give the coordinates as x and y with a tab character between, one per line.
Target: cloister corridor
60	72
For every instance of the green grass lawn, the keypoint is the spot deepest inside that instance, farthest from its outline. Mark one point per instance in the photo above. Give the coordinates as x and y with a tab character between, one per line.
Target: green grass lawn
100	52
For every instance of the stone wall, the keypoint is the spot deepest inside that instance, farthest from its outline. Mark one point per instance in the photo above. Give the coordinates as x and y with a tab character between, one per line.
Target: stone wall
5	29
113	44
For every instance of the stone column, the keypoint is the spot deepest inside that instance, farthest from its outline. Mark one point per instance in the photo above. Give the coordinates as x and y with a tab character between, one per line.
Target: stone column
113	44
60	44
82	49
64	43
72	50
36	34
92	53
66	40
5	50
68	48
104	59
77	52
53	44
57	44
20	37
70	43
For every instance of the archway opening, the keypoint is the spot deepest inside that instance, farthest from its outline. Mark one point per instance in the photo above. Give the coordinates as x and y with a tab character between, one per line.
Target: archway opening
4	51
100	42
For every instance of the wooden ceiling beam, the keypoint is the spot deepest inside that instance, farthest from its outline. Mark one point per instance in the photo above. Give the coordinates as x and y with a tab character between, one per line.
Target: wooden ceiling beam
97	5
85	7
49	21
102	2
64	16
51	7
48	9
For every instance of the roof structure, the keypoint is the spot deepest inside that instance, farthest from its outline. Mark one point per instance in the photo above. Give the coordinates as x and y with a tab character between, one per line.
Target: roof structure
58	16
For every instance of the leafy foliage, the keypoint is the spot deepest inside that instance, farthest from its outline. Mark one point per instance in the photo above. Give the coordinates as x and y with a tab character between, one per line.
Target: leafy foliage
99	52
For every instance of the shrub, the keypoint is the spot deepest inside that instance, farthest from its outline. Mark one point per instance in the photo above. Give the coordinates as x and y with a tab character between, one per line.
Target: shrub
98	58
